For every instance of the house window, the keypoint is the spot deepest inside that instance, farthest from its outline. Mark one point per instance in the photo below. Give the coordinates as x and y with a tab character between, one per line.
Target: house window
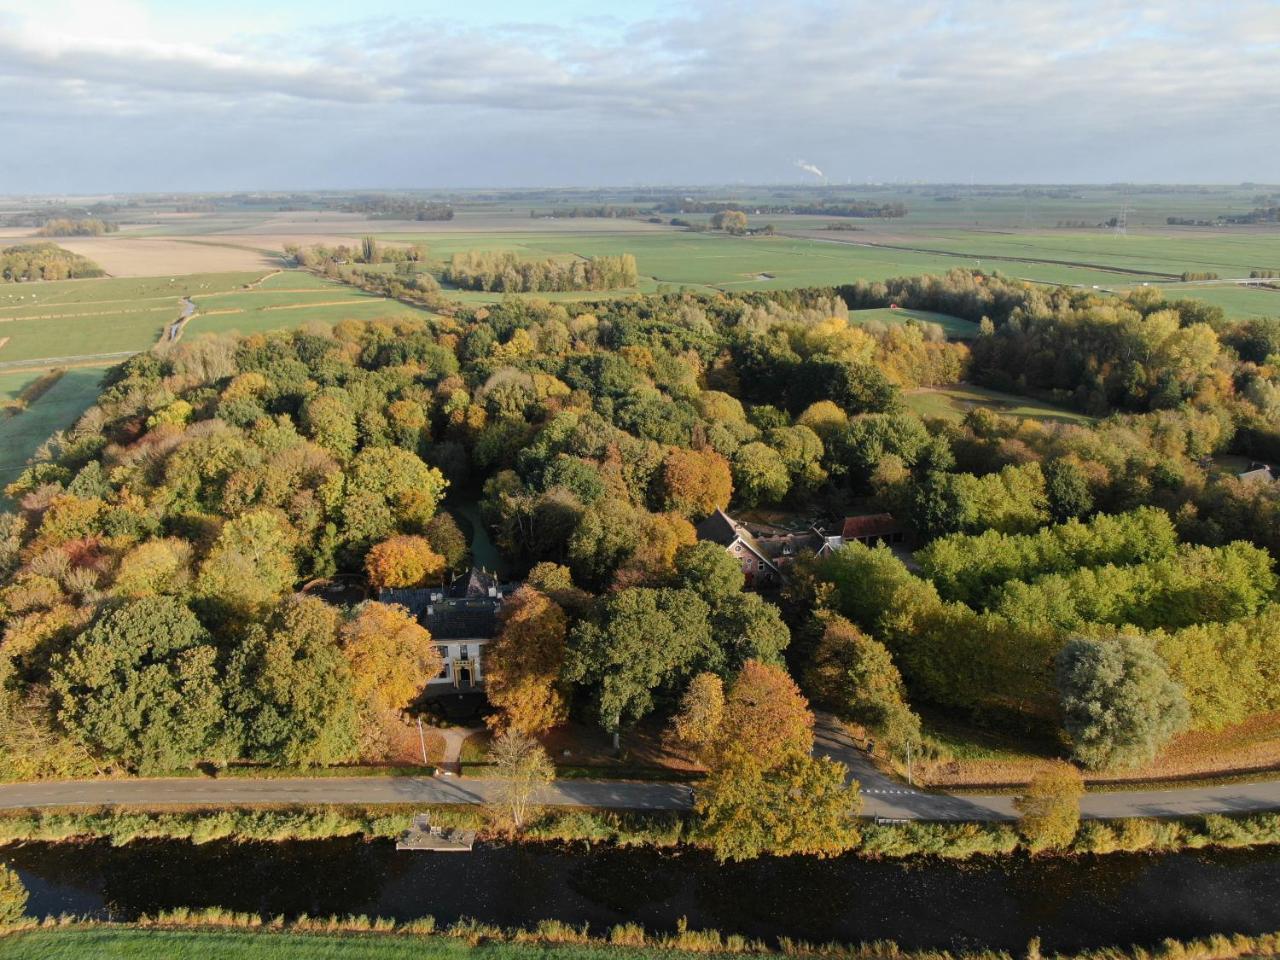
760	565
444	663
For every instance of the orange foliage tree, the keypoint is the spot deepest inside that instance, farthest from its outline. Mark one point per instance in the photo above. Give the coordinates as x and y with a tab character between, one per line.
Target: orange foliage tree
402	561
695	482
522	666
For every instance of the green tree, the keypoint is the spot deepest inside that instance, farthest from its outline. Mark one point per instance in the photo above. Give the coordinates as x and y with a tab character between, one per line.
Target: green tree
641	647
730	221
1050	808
760	474
1068	490
290	695
1118	702
140	687
250	566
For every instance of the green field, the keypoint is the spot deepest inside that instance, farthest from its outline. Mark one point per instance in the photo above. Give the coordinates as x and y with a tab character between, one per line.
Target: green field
953	403
89	318
135	944
288	299
714	261
57	409
13	382
955	328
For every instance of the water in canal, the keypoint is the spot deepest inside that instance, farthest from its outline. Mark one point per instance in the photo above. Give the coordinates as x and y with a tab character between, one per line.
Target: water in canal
1070	904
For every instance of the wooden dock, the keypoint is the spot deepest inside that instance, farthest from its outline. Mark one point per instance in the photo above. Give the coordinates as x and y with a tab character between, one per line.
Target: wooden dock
423	836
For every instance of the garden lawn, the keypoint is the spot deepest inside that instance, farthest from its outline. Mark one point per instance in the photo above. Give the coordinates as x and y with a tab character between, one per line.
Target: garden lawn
955	401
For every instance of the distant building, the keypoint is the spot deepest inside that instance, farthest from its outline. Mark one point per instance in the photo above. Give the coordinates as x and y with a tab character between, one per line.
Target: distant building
461	618
1257	472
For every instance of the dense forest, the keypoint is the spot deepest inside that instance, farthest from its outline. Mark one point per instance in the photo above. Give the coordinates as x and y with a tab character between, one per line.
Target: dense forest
88	227
502	271
1068	571
44	261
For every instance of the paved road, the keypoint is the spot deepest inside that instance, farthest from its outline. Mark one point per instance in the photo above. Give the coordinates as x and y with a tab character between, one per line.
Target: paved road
237	790
883	796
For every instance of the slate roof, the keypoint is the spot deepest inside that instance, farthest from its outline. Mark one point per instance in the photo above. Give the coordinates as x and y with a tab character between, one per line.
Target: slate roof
462	619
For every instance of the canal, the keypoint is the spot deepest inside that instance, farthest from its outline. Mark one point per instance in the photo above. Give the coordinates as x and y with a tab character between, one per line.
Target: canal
1071	904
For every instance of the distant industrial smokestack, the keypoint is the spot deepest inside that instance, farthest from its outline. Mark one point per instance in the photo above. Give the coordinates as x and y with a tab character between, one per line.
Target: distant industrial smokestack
808	167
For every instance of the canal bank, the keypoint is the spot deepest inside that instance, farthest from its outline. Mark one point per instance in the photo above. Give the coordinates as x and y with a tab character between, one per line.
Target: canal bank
1071	904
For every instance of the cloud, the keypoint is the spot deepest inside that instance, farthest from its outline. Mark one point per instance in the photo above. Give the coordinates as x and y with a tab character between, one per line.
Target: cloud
892	90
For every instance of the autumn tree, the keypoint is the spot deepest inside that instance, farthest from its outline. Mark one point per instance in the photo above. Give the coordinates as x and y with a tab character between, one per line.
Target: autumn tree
403	561
290	696
250	566
391	655
730	221
1050	808
701	711
766	717
523	664
446	538
523	769
854	675
760	475
140	686
695	482
803	805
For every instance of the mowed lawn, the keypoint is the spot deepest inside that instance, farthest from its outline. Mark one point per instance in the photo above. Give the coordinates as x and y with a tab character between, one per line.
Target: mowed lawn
56	409
88	318
953	402
136	944
954	327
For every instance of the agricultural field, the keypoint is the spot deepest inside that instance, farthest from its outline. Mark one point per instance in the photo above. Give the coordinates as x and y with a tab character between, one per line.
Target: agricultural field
22	434
952	403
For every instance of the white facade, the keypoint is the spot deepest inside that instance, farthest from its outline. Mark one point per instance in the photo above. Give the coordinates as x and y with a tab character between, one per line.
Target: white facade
462	663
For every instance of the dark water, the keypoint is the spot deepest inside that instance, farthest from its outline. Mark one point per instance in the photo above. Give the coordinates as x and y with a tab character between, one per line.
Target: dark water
1070	904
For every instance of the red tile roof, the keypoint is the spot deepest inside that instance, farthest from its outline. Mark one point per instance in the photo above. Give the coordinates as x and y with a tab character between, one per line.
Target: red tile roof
869	525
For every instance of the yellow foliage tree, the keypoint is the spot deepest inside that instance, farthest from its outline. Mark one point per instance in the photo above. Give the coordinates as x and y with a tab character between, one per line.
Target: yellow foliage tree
391	655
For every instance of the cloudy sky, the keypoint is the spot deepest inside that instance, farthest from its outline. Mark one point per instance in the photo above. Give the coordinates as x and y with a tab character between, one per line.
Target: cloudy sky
99	95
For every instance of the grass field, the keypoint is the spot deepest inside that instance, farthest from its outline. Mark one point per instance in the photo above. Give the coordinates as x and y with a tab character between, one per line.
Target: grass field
288	299
13	382
954	402
135	944
714	261
59	408
956	329
88	318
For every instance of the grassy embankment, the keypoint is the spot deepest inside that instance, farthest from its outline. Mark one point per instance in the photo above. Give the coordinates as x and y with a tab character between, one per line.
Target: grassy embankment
228	936
951	840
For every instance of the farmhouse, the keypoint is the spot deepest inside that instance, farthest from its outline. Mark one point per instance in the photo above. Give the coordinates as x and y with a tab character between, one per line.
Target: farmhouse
462	618
764	552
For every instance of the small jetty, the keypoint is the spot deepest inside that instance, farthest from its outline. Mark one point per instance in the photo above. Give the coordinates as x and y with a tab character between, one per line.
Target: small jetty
423	836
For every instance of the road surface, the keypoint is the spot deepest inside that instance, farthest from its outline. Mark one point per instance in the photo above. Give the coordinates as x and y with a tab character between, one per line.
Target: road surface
882	796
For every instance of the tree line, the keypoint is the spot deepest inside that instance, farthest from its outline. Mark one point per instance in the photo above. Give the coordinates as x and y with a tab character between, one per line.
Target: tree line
88	227
503	271
44	261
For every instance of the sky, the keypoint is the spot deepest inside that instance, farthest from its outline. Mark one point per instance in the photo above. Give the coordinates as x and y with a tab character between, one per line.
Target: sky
190	95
